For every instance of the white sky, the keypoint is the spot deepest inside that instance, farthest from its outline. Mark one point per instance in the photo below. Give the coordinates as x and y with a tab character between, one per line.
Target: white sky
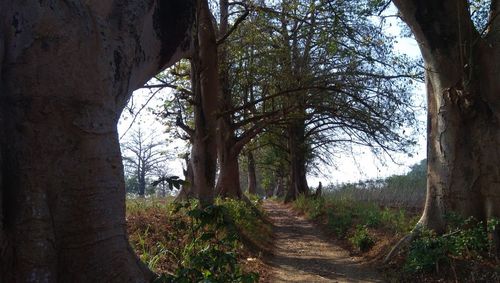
361	164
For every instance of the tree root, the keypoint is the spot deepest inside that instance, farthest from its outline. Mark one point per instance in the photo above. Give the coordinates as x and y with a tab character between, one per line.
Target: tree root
404	242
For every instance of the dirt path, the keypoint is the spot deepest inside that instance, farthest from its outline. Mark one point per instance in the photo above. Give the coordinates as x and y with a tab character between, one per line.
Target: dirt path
303	254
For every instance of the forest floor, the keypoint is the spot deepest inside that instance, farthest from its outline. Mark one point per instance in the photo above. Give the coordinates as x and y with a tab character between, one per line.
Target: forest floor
302	253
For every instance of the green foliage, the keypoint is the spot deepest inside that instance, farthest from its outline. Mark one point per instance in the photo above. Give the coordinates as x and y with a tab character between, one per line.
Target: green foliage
186	243
339	221
312	207
209	256
337	81
361	239
342	214
371	217
397	220
466	239
427	252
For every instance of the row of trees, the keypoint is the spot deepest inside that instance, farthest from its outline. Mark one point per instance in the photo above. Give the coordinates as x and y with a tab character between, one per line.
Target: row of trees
291	82
68	68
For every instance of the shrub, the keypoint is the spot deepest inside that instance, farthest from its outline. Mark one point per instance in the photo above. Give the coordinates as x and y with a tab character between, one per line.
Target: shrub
427	252
209	256
189	244
465	239
339	222
313	207
397	221
361	239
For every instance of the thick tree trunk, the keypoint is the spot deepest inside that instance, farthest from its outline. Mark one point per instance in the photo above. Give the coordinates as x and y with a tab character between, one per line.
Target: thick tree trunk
67	73
228	183
297	155
228	147
464	110
252	176
206	89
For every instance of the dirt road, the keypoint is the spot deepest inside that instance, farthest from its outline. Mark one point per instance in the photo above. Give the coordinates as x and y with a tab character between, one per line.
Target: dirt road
303	254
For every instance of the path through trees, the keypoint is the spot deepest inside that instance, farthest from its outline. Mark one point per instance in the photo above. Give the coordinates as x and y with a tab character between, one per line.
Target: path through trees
303	254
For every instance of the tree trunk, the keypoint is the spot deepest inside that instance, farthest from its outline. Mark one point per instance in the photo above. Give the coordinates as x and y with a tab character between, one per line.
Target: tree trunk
462	74
142	182
186	191
228	147
252	176
279	191
297	154
206	89
228	183
68	70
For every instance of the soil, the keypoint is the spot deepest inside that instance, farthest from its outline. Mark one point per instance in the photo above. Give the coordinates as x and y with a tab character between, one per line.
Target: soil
303	253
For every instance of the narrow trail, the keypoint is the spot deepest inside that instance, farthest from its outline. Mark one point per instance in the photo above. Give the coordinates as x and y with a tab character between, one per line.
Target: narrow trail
303	254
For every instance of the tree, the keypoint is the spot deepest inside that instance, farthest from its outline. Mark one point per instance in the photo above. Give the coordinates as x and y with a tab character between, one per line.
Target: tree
237	125
462	70
205	84
67	70
252	175
143	157
232	133
339	79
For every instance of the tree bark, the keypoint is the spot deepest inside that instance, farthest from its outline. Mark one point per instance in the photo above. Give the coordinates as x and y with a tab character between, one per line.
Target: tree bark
297	156
206	88
228	183
252	176
462	74
142	181
67	72
186	191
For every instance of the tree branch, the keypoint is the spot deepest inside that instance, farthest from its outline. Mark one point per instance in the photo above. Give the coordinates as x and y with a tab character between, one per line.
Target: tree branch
239	20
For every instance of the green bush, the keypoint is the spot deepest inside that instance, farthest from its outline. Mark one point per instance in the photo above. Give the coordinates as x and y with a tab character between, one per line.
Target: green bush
397	221
361	239
339	222
371	217
210	256
427	252
341	214
313	207
465	239
189	244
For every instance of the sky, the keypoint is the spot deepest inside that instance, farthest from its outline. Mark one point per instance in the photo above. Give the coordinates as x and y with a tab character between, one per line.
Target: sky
359	164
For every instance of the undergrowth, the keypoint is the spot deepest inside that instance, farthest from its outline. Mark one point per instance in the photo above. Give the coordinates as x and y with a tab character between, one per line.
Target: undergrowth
185	243
353	220
464	253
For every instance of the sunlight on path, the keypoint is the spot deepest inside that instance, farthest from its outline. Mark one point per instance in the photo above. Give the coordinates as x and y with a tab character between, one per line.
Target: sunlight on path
303	254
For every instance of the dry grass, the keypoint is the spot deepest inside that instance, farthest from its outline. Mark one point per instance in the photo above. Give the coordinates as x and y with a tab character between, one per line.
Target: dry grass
159	231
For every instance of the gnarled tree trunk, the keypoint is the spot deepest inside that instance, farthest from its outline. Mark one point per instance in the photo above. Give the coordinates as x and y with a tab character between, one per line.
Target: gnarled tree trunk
462	73
68	69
